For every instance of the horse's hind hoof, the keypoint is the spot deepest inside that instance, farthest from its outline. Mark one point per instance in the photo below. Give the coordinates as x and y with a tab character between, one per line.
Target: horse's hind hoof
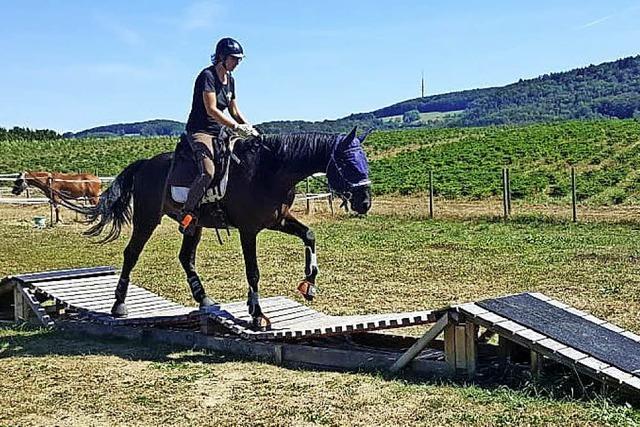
307	290
261	323
119	309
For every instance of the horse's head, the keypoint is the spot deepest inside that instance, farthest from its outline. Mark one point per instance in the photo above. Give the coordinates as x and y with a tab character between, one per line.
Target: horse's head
348	172
20	184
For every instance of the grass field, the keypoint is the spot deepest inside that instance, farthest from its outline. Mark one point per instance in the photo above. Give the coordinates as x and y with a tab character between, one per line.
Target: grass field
392	260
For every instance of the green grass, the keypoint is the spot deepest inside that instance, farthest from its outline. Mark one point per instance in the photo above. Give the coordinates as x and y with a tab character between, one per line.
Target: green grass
375	264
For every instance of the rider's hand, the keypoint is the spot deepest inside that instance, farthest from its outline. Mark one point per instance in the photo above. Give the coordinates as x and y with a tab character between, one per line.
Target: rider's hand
245	130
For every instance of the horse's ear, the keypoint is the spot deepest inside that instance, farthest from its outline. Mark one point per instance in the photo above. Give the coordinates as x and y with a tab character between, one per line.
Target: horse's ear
347	140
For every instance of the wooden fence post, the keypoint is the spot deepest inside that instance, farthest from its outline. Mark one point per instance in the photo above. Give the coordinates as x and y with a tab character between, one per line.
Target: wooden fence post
573	195
431	194
509	191
505	203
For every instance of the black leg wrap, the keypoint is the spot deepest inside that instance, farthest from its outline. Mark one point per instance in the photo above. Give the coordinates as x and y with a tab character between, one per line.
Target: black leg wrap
197	290
121	289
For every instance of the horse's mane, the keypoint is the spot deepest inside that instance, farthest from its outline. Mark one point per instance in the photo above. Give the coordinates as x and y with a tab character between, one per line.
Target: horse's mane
292	146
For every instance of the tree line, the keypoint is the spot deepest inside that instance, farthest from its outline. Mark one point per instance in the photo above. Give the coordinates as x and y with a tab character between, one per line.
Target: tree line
26	134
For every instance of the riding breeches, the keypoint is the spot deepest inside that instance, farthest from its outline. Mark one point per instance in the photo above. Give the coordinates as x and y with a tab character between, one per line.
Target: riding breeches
202	146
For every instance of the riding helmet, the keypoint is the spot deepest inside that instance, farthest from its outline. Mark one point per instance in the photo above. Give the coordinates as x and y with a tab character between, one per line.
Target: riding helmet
227	47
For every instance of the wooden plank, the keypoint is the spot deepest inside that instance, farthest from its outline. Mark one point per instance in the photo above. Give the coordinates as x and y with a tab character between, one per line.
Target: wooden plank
577	312
135	295
593	364
472	309
419	345
20	308
612	327
138	308
530	335
551	345
540	296
510	326
35	306
616	374
61	274
594	319
460	343
631	335
76	282
557	303
537	361
572	354
450	346
491	318
87	293
471	344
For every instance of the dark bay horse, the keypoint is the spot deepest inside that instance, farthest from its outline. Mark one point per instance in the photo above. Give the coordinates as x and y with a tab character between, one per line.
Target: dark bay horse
58	186
260	192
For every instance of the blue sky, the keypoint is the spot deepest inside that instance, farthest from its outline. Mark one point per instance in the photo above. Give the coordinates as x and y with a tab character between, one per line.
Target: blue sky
70	65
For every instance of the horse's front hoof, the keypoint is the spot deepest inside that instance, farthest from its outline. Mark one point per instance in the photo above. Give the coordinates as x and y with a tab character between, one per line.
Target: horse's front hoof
119	309
206	302
307	290
261	323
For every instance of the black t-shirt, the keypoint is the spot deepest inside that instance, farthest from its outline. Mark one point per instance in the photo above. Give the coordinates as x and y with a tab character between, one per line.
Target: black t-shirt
208	81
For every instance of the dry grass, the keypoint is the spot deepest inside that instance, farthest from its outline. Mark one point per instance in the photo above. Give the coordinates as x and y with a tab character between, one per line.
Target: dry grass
392	260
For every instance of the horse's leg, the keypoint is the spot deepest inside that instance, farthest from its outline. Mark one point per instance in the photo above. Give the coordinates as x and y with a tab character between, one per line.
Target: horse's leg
139	237
292	226
187	259
248	241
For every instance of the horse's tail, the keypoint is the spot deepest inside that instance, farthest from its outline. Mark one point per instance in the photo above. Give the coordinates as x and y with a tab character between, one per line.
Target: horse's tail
114	206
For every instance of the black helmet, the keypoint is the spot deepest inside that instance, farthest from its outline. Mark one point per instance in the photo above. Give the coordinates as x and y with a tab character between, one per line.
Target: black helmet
226	47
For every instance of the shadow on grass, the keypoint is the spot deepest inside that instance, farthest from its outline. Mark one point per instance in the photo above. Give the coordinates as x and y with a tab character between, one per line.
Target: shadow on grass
558	383
29	341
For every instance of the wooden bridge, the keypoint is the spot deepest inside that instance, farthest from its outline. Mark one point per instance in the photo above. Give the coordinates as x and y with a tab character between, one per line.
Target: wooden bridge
455	344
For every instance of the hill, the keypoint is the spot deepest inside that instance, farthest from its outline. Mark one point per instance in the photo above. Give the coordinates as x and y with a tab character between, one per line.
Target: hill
608	90
146	128
467	162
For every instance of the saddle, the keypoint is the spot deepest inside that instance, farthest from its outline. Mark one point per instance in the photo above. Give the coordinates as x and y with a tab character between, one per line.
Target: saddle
184	169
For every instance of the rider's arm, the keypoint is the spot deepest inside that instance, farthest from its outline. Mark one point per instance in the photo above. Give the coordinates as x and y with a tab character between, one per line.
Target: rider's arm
211	105
235	112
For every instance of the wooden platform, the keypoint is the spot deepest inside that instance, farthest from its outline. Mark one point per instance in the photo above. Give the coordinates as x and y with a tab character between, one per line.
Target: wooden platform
90	293
554	330
291	319
549	329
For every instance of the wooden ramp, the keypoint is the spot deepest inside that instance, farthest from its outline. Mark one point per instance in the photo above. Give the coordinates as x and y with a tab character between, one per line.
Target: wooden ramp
291	319
554	330
550	330
90	293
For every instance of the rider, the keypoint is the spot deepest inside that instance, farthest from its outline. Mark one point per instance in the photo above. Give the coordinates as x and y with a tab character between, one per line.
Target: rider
213	92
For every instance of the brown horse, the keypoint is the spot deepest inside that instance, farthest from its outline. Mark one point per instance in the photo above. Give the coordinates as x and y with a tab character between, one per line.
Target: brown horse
57	185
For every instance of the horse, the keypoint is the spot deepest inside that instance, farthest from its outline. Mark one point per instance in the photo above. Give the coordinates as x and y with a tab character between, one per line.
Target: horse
259	195
60	186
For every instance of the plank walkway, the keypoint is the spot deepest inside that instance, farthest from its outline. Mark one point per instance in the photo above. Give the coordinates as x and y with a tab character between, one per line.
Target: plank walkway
562	333
290	319
90	292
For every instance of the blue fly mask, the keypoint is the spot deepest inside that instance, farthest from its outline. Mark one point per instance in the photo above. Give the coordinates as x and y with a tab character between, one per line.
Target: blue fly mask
348	167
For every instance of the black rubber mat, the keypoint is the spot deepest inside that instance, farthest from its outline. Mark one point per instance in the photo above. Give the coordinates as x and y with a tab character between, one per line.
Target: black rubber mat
569	329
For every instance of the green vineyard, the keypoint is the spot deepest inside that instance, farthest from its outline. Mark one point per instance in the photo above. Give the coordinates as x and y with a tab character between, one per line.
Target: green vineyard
466	162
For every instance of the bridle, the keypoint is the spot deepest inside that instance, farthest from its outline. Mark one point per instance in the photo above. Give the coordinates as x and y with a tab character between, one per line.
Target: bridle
345	192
